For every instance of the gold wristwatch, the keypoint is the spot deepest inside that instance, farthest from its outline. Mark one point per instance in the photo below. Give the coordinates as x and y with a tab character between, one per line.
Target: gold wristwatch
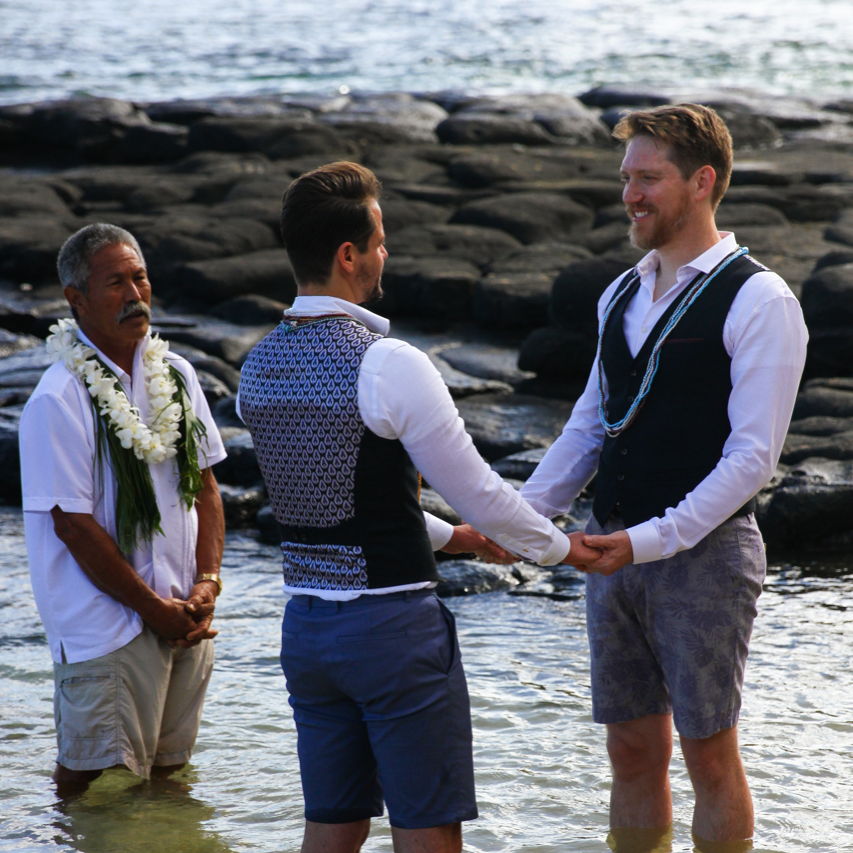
211	577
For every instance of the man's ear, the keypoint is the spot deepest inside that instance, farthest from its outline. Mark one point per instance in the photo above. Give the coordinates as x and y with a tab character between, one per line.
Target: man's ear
345	257
705	178
75	297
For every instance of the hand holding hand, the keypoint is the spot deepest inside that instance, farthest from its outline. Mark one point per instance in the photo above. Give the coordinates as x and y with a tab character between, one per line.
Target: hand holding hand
200	605
580	555
467	540
616	552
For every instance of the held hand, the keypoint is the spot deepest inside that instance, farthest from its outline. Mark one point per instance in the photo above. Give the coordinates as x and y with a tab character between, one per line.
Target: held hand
200	605
467	540
616	552
168	618
580	555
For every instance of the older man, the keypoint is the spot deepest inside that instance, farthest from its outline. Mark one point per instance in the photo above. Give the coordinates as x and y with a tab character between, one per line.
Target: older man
684	416
123	519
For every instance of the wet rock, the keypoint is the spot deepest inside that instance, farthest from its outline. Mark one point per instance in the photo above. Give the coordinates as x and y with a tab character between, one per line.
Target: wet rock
433	503
810	506
399	213
559	583
838	445
547	256
386	118
241	505
490	129
470	577
512	300
210	364
827	299
434	289
488	361
558	354
488	167
11	343
461	384
240	467
219	338
480	246
505	424
519	466
529	217
250	310
22	370
266	272
825	398
28	247
10	482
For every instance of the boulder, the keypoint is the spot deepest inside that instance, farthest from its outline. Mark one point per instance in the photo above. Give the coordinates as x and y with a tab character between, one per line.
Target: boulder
433	503
810	506
266	272
519	466
219	338
512	300
384	118
10	482
471	577
827	300
436	289
507	423
240	467
29	245
504	165
491	129
839	445
480	246
399	213
462	384
250	310
556	353
529	217
825	398
241	505
486	360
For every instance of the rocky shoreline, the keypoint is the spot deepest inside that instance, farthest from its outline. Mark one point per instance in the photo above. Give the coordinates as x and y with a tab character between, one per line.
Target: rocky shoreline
504	225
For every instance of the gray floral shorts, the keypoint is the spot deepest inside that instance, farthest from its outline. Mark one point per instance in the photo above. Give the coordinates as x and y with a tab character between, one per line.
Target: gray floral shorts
672	636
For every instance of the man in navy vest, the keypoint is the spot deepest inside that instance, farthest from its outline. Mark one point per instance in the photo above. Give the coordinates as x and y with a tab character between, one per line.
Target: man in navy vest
683	418
343	419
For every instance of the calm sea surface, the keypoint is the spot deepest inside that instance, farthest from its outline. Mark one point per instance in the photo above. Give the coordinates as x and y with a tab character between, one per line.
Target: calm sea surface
541	771
161	49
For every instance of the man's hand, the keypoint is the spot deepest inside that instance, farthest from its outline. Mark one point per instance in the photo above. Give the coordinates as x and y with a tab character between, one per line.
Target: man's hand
580	555
616	552
200	605
466	540
168	618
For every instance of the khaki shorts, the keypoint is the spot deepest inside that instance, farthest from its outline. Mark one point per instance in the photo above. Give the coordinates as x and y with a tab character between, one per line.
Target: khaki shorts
137	707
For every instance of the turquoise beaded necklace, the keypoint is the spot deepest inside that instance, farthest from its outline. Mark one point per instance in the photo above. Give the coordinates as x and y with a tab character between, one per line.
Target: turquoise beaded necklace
614	428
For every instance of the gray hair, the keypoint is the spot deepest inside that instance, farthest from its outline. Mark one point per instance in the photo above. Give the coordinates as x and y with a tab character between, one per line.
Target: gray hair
77	252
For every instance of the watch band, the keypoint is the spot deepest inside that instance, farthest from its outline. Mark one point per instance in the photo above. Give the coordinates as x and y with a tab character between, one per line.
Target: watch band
210	577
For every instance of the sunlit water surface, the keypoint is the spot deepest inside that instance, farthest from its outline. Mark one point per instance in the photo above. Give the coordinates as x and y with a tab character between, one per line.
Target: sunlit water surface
542	774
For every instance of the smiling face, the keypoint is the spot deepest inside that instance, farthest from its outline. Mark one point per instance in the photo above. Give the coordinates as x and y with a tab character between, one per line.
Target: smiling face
368	274
657	198
114	311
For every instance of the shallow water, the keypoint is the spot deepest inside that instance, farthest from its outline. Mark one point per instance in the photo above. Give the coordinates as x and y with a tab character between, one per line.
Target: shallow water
541	771
163	50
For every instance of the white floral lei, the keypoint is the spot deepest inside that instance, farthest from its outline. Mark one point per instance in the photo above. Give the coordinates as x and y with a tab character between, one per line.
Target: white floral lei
153	442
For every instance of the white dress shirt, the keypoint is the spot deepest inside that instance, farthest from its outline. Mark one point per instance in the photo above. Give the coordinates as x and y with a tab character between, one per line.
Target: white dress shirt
765	336
402	396
57	442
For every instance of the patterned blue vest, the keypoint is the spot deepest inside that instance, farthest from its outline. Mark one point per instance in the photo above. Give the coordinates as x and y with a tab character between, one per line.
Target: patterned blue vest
346	499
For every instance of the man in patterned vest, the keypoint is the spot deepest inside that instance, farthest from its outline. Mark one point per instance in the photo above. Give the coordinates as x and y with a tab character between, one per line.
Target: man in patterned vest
343	419
684	416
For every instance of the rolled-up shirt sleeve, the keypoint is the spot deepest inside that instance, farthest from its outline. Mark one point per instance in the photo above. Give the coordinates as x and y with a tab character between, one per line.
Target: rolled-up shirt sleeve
402	396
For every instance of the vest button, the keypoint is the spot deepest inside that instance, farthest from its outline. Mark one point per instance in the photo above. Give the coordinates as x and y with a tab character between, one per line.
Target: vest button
624	451
620	477
633	373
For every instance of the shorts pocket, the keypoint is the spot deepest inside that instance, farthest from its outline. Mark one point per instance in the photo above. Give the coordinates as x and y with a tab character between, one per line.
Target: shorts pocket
452	646
87	704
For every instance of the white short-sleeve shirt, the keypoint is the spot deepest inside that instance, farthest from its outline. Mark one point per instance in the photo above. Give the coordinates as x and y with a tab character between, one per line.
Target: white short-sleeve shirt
57	443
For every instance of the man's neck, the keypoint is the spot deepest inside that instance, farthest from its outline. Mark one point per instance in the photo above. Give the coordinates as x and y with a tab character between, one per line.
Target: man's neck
680	252
122	356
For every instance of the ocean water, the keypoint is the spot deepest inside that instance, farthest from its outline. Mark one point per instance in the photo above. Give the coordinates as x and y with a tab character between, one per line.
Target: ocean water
161	49
541	769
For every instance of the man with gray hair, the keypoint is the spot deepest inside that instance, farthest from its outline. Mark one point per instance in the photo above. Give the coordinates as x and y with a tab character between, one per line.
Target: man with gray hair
123	521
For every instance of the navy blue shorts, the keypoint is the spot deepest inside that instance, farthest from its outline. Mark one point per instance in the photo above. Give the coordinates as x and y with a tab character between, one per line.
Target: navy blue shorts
381	709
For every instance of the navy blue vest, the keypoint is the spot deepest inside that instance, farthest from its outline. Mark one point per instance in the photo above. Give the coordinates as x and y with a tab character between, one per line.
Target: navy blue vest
678	435
346	499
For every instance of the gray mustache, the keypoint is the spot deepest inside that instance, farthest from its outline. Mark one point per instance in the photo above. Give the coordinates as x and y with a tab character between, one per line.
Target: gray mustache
132	309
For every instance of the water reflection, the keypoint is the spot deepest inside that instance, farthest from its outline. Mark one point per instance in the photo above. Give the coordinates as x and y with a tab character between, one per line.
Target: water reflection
120	812
634	840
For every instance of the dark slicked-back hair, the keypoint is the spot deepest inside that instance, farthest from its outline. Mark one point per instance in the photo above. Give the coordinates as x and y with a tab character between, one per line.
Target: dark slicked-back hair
695	135
322	209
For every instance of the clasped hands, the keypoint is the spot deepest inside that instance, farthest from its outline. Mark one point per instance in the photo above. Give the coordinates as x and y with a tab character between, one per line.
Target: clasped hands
604	554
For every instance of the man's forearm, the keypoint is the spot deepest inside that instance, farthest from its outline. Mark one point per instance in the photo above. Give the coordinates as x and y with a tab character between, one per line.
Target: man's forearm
98	556
211	526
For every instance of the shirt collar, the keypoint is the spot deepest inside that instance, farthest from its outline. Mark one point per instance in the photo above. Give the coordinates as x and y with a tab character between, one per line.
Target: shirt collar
312	306
122	375
703	264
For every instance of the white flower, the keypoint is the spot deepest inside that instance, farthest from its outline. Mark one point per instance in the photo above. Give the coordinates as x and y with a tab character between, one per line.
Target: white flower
152	443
